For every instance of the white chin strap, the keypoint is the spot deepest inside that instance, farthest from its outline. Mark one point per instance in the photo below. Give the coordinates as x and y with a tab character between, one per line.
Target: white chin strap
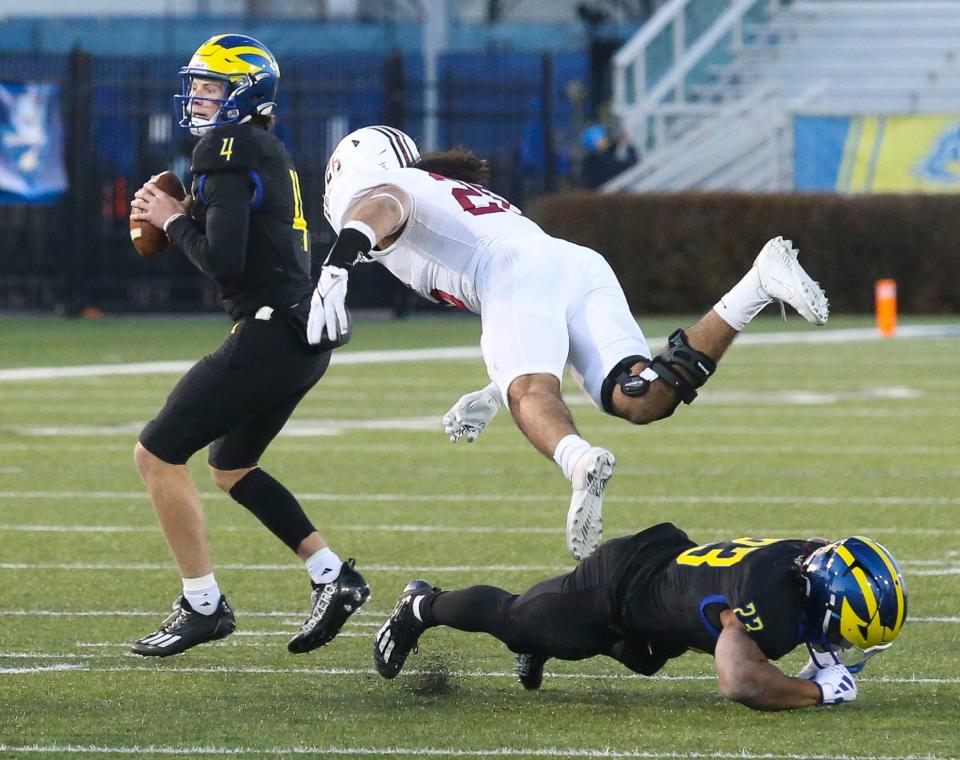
200	126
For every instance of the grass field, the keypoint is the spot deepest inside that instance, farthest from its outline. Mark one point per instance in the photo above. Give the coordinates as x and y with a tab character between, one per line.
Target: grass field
790	439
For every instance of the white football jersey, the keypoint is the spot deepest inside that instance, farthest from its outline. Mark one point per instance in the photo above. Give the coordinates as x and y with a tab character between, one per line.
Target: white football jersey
453	229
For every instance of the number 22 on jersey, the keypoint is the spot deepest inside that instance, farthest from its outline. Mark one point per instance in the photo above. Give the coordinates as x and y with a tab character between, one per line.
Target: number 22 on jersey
476	199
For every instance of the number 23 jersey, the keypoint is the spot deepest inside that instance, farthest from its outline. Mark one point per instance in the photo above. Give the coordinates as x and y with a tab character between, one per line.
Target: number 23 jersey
453	230
755	577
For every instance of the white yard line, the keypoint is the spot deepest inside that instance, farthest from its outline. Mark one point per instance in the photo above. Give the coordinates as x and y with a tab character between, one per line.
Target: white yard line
439	443
178	367
294	617
166	667
493	530
58	668
855	335
462	498
373	568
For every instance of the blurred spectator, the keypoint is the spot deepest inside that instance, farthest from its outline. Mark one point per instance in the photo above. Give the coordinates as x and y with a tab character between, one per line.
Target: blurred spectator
604	158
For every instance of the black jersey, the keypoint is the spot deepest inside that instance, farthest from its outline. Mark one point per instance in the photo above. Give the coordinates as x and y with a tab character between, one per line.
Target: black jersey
676	605
247	229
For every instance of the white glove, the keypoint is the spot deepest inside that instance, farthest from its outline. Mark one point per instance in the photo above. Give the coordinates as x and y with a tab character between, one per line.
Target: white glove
470	415
328	306
836	685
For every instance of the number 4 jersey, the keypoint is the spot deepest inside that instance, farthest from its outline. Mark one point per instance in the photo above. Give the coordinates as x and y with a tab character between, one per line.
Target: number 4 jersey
453	230
677	606
248	230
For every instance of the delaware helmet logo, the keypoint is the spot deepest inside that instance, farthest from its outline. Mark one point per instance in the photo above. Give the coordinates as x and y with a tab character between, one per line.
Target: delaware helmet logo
942	162
856	598
249	73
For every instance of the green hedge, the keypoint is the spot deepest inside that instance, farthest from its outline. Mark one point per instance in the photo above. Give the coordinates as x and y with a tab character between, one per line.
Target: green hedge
680	252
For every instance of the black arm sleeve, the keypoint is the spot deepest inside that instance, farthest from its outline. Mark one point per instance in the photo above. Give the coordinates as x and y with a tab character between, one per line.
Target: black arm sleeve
350	247
219	251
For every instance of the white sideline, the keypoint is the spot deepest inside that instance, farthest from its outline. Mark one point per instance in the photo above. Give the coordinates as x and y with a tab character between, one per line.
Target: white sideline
316	751
468	352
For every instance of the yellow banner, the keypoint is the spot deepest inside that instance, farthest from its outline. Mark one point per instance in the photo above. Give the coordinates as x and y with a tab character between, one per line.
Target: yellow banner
901	154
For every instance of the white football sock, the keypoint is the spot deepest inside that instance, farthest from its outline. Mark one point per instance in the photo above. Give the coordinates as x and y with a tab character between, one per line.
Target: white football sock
202	593
743	302
568	453
323	566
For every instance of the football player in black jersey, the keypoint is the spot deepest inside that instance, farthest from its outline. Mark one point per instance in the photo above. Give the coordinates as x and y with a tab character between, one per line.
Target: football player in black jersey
646	598
243	226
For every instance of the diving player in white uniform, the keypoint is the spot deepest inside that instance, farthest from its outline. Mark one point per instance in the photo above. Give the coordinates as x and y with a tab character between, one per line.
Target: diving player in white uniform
543	303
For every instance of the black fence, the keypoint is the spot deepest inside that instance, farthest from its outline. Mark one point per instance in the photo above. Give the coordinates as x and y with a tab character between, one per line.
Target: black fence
118	114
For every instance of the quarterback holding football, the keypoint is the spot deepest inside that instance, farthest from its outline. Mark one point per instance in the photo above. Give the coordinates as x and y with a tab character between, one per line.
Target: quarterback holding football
244	229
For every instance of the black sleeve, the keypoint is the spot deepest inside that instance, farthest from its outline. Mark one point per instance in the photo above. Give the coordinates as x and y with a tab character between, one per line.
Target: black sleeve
219	251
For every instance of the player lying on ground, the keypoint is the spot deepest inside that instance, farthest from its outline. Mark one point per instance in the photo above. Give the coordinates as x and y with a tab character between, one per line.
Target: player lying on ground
646	598
244	229
543	302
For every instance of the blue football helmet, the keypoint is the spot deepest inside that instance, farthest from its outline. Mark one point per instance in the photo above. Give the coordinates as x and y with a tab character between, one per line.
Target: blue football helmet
248	70
856	602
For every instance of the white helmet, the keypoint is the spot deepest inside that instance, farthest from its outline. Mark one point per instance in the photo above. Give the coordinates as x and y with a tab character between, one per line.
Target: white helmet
365	150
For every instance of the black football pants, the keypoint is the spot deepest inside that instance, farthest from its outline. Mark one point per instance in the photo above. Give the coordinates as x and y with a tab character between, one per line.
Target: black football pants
570	617
237	398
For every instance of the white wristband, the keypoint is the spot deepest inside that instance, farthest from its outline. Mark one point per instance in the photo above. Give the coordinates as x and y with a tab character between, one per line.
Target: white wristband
170	219
365	229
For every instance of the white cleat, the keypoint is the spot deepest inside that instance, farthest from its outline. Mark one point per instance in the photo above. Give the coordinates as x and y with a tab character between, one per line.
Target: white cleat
585	517
782	278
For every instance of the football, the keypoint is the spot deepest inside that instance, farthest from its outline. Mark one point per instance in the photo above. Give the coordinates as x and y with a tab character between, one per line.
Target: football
150	240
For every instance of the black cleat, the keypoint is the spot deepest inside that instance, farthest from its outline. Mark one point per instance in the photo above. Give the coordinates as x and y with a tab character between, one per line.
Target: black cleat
185	628
332	603
530	670
398	636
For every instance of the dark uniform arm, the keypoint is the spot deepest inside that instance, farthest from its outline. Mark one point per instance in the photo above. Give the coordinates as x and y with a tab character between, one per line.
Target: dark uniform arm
220	250
746	676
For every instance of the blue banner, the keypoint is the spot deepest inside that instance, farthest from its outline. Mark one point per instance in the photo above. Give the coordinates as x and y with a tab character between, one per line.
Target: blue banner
31	143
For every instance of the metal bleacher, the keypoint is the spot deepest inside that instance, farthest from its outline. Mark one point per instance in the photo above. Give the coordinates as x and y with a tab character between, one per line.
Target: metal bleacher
719	113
